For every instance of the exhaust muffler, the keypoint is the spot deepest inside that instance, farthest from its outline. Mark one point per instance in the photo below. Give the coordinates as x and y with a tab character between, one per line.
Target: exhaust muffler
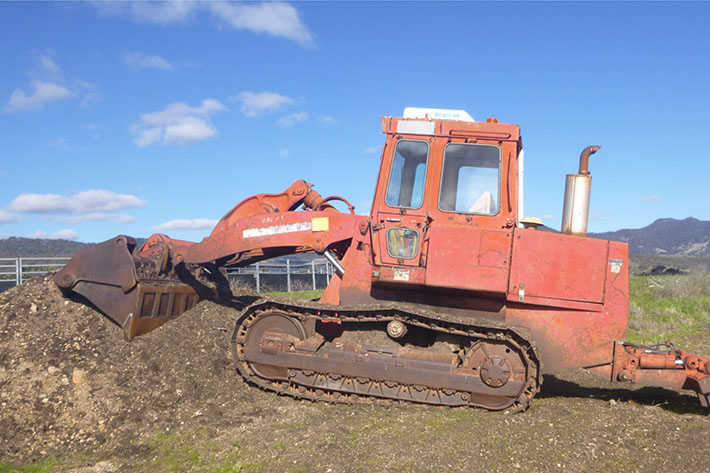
578	188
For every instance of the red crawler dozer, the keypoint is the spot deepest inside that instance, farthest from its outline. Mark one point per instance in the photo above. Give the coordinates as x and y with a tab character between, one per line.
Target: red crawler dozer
443	294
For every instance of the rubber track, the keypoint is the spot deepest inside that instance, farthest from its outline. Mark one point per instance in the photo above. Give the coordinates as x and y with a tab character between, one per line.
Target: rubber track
479	329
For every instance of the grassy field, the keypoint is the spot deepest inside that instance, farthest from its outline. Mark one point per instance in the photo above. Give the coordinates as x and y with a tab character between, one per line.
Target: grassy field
670	308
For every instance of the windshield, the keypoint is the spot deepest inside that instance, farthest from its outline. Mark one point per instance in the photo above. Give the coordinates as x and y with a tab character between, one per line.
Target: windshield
406	183
470	181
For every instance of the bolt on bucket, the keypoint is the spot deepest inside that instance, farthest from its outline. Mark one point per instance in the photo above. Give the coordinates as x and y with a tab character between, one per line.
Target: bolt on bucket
105	274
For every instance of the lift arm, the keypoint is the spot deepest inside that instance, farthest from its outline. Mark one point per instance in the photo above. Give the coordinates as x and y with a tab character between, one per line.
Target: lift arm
142	289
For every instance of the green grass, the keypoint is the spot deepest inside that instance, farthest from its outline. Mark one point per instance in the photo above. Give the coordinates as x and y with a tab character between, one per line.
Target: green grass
192	451
47	465
668	308
167	453
307	295
176	452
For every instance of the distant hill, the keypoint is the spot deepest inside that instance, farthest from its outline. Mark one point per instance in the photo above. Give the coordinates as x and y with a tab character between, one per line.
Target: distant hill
14	247
665	236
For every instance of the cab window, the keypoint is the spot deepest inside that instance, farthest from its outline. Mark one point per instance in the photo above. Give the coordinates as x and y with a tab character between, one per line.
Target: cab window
470	181
406	183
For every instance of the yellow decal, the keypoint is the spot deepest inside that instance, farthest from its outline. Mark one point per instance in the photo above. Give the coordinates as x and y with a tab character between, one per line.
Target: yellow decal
319	224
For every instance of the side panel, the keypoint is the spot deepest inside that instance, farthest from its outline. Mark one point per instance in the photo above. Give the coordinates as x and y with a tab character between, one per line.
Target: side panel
579	338
568	338
466	257
561	267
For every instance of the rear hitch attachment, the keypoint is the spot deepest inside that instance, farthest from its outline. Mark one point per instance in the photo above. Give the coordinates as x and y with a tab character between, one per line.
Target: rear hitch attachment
662	365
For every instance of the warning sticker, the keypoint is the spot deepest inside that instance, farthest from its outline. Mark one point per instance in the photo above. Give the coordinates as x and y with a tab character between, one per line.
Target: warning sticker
319	224
401	274
615	265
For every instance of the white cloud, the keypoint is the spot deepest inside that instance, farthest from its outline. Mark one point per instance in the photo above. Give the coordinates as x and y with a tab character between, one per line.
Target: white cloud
49	85
327	120
97	217
272	18
86	206
284	153
178	124
59	143
548	217
146	136
85	202
255	104
291	120
65	234
138	60
651	198
187	224
7	217
41	93
49	68
162	13
91	98
372	149
96	129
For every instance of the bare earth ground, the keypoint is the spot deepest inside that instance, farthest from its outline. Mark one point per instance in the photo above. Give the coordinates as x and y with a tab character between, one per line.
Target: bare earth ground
74	396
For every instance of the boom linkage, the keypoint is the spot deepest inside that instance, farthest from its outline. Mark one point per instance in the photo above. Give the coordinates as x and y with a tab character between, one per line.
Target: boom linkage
143	289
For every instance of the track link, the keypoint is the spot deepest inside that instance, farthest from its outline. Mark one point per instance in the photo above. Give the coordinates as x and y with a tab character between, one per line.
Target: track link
279	347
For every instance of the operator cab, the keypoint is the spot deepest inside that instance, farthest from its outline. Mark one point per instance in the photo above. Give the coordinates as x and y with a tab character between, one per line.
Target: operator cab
445	183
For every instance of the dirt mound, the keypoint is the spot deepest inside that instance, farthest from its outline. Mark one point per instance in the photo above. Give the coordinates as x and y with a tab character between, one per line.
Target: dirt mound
69	381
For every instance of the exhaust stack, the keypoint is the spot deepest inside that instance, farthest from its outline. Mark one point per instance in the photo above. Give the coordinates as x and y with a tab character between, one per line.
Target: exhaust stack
578	188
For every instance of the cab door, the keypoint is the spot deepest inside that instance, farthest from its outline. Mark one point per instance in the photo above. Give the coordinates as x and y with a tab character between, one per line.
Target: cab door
398	226
469	241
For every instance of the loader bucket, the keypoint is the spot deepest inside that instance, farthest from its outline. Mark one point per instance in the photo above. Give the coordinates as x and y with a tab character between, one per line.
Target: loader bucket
105	274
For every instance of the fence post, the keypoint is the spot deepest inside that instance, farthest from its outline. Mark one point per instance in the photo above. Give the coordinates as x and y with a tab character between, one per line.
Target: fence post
327	273
258	285
18	276
313	272
288	275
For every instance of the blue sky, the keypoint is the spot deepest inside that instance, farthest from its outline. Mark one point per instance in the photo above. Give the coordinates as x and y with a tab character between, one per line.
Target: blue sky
135	118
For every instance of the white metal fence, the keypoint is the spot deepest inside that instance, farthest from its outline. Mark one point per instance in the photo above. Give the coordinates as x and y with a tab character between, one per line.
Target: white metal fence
261	276
14	271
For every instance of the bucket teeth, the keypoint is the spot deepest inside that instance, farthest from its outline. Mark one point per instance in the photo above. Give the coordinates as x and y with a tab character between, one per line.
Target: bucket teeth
157	304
